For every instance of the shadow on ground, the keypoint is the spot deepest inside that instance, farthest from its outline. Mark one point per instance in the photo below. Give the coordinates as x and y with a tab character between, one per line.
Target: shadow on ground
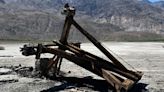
139	87
89	83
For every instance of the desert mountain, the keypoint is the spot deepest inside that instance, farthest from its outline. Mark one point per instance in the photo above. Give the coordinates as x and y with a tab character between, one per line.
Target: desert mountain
159	4
105	19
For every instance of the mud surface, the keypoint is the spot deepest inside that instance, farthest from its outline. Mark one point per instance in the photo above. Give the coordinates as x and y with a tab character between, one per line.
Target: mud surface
17	72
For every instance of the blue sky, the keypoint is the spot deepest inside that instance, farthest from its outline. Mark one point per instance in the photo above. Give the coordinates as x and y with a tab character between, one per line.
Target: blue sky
155	0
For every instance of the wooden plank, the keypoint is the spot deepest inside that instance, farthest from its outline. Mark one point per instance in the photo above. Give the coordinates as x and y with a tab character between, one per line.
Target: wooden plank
66	30
87	61
111	79
98	45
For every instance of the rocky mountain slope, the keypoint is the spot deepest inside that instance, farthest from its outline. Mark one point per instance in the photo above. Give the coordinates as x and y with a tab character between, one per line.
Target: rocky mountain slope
106	19
159	4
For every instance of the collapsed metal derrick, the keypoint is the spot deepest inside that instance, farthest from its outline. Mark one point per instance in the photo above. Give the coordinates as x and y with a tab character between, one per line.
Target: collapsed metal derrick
116	74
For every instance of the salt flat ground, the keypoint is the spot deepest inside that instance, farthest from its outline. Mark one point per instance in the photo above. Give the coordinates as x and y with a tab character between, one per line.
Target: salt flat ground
143	56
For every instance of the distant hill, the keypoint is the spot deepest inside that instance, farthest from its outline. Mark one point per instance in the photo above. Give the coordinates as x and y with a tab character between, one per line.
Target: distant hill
2	1
117	20
144	1
159	4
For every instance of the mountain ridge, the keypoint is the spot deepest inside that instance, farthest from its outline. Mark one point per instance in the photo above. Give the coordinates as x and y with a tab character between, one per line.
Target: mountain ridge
159	4
107	15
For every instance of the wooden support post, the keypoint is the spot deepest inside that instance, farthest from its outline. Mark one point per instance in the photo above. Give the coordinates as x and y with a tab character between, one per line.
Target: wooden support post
101	62
66	29
115	73
99	46
97	67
